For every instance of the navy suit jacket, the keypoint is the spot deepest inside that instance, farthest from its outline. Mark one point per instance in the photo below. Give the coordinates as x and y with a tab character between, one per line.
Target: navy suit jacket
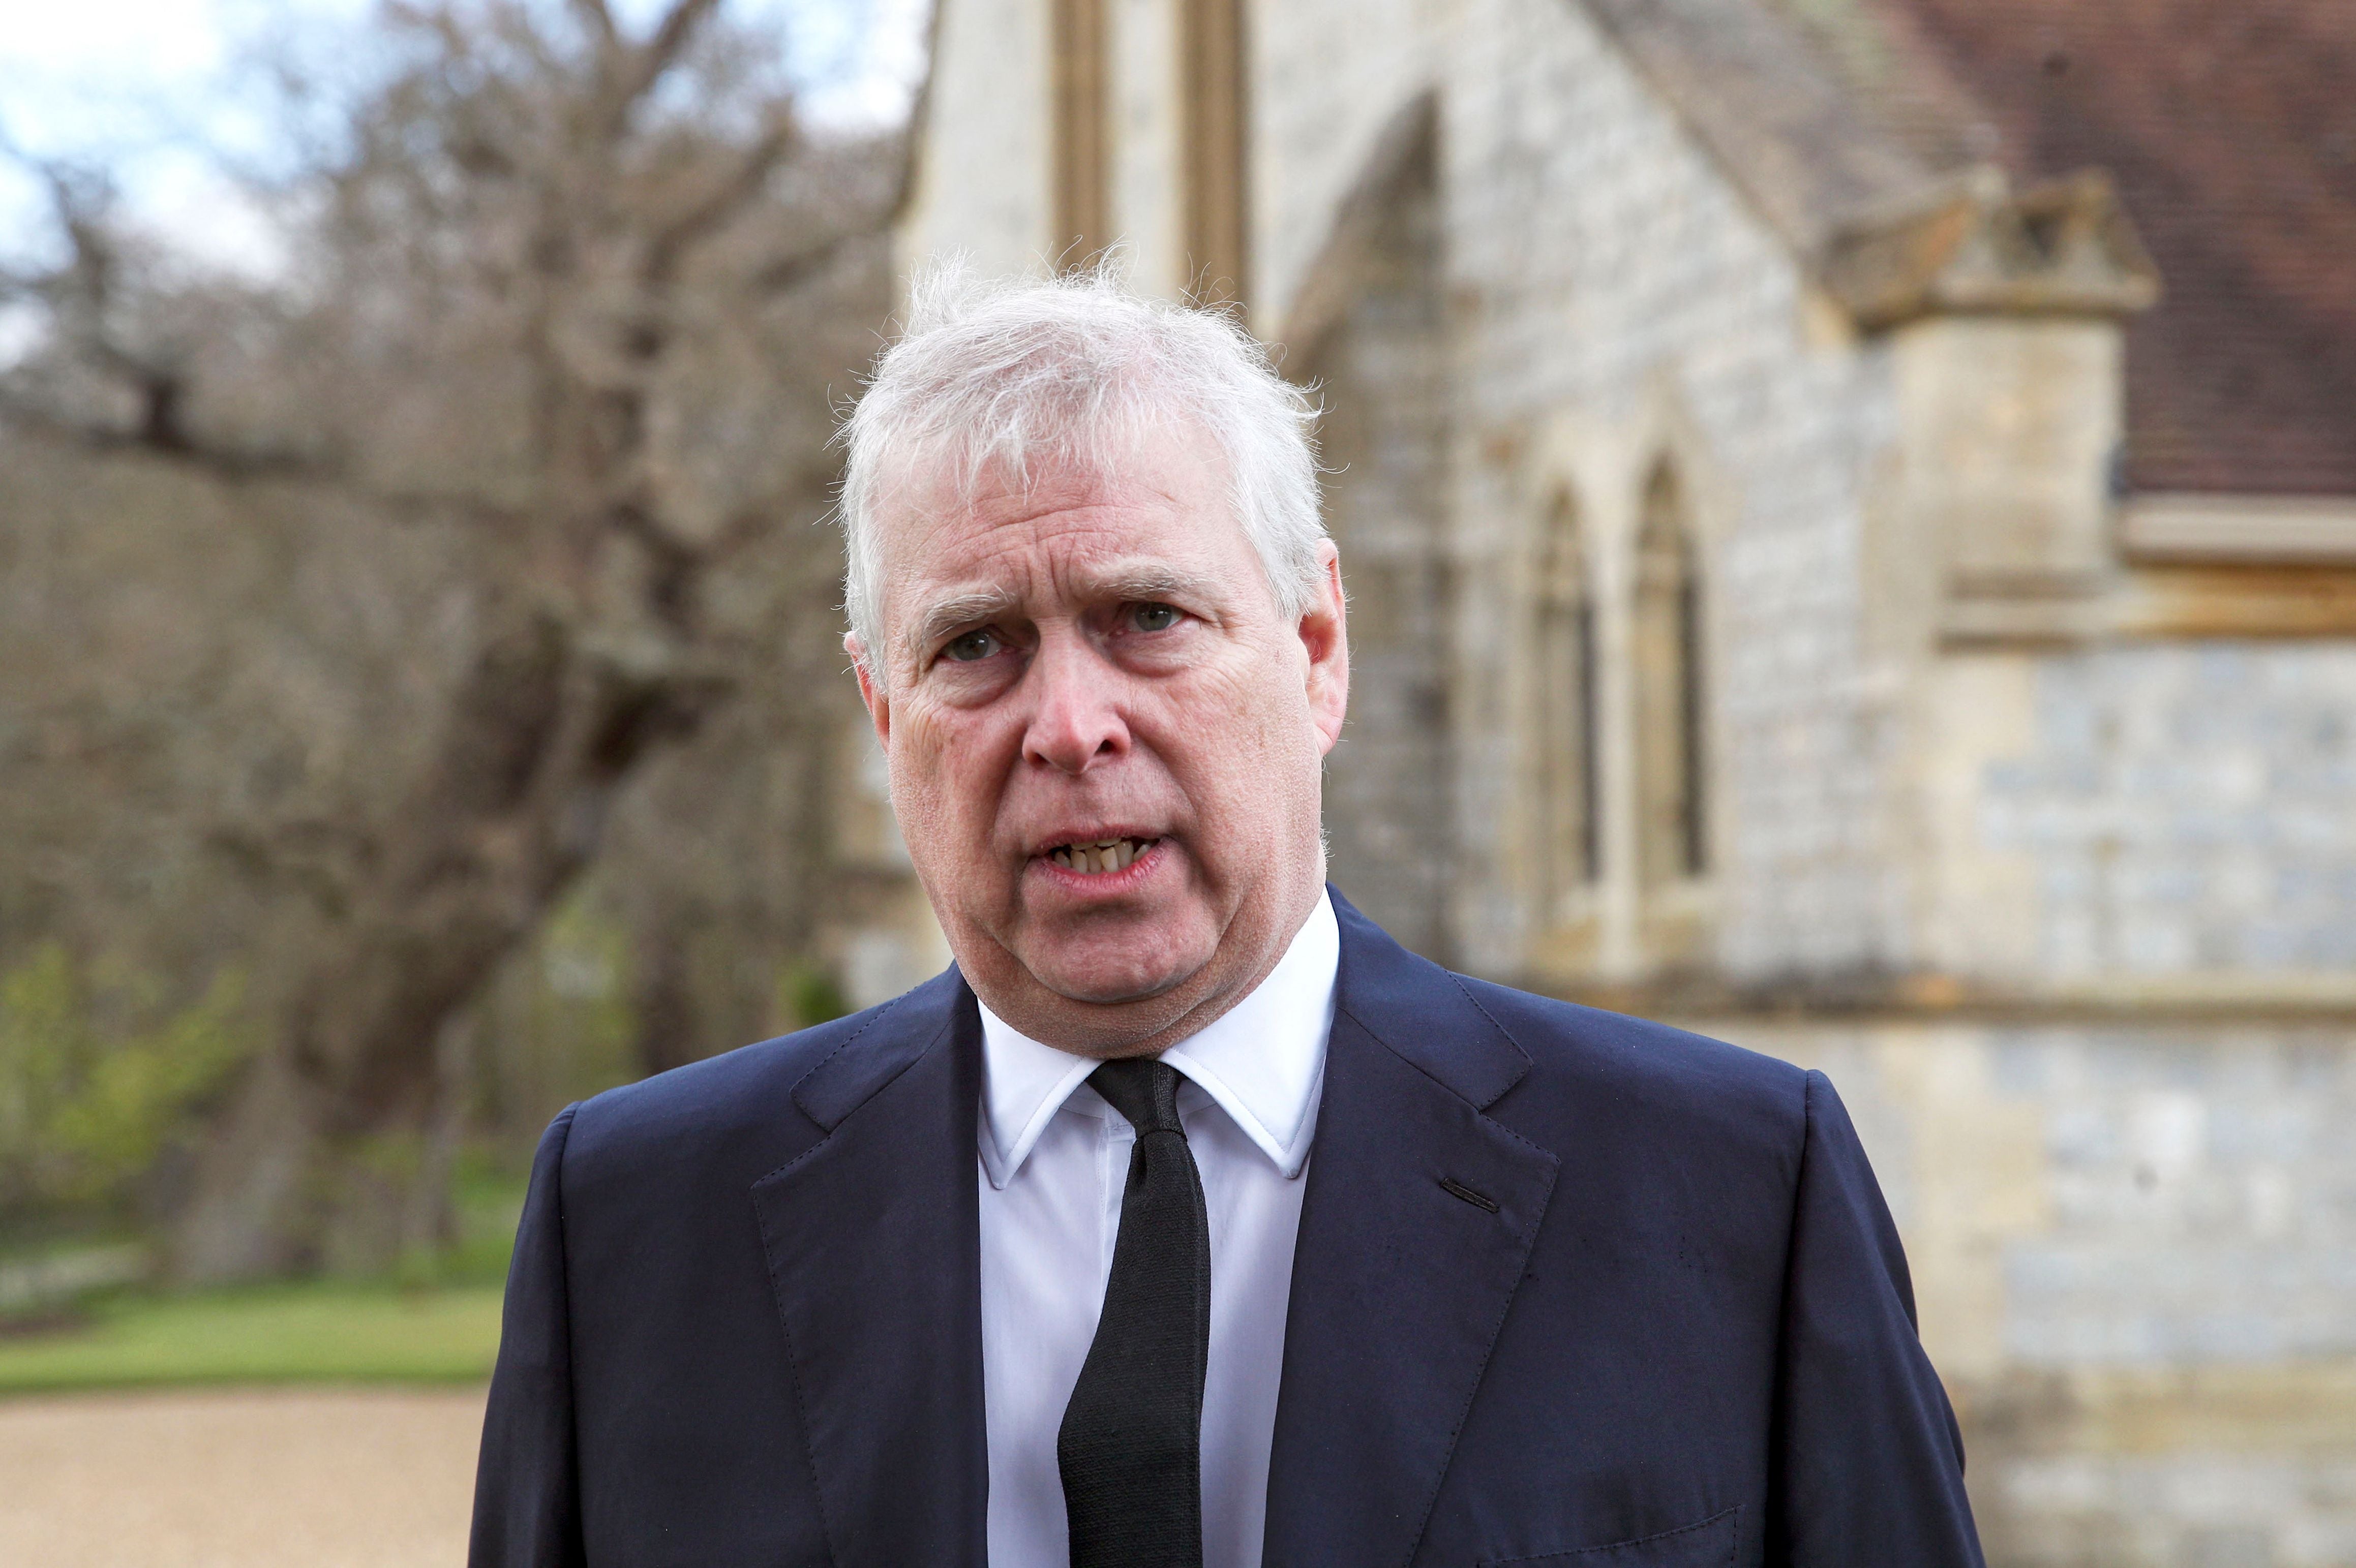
1571	1289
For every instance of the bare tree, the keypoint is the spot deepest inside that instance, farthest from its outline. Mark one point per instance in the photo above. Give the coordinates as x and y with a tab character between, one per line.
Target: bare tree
565	287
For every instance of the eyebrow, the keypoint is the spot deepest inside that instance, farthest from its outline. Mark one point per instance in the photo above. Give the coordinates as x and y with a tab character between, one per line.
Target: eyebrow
959	610
1152	581
1124	582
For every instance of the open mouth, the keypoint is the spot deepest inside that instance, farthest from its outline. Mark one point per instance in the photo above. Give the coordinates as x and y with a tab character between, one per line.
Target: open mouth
1101	856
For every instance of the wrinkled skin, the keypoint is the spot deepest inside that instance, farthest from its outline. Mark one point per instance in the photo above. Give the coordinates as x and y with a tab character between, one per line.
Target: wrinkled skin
1097	656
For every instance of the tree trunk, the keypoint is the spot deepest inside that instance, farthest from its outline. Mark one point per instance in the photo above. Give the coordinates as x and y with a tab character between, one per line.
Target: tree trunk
332	1152
515	263
325	1154
668	1032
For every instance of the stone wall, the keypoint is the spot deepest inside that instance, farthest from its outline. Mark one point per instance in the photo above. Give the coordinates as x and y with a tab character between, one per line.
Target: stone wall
1617	303
982	159
2190	811
1382	375
2135	1240
1326	78
2134	1250
2147	820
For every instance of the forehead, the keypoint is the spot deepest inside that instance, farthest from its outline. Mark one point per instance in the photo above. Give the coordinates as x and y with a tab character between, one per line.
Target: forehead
1160	498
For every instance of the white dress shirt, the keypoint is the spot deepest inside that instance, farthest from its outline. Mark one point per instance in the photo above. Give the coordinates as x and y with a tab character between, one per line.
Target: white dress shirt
1054	1159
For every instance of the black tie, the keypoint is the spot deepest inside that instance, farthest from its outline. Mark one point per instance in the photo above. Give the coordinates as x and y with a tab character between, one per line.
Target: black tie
1130	1448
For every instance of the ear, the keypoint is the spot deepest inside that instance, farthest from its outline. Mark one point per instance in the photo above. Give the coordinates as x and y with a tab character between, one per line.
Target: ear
870	689
1324	634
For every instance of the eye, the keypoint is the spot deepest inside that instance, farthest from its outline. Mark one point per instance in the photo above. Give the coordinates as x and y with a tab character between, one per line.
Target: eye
970	646
1153	617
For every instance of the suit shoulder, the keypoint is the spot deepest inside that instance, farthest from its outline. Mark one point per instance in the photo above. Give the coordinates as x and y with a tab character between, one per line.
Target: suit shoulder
1682	1080
741	1098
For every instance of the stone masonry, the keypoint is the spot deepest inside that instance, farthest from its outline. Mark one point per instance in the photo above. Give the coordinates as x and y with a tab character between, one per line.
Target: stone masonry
2062	900
2190	810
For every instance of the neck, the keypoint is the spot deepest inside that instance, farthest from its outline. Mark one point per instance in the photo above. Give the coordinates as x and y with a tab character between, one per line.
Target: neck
1152	1025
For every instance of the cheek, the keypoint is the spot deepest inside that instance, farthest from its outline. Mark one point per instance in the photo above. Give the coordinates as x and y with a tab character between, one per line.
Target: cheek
944	785
1261	711
1237	740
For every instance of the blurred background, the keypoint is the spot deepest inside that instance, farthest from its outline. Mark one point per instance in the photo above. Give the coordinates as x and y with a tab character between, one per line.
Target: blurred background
1849	507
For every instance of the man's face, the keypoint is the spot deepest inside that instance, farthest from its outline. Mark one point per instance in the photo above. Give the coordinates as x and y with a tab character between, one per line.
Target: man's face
1105	742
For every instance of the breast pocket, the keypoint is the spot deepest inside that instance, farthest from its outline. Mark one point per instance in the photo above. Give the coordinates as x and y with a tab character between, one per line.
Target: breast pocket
1711	1543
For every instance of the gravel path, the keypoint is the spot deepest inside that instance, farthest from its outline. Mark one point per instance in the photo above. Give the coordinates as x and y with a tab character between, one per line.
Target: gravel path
248	1478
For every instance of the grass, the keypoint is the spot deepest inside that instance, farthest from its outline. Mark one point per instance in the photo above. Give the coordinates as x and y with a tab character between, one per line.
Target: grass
438	1323
324	1332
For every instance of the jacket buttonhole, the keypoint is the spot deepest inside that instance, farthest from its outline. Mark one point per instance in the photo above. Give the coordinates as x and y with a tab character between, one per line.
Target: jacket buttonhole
1455	1189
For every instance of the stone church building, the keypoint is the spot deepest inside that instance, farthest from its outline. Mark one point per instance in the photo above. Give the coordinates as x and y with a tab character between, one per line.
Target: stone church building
1849	509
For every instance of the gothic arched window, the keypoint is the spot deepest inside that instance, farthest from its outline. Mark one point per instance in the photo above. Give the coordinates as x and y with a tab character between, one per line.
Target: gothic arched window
1672	826
1569	836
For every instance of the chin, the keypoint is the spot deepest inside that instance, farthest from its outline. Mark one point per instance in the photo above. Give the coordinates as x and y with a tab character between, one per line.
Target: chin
1107	971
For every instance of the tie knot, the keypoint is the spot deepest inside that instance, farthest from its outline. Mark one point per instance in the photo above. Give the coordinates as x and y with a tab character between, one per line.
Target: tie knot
1144	1090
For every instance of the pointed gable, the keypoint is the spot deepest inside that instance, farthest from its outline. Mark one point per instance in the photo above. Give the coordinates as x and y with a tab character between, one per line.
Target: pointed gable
2229	131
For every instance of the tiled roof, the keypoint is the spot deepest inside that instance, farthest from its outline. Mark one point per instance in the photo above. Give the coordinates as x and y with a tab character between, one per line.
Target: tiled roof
2230	127
1781	118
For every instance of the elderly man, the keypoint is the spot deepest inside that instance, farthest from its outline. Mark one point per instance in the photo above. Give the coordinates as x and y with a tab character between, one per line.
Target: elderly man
1187	1220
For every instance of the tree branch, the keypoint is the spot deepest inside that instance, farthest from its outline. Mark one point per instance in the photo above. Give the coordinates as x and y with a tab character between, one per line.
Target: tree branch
83	293
789	272
599	19
244	466
912	135
671	37
725	198
160	433
641	67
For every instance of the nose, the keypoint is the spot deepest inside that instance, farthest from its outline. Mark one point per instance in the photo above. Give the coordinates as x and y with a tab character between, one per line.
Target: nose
1077	722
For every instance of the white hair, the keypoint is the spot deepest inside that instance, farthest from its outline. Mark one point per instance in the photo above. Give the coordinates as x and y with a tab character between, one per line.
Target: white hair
998	376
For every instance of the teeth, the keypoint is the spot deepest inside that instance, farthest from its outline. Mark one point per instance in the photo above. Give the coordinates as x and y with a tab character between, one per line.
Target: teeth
1103	855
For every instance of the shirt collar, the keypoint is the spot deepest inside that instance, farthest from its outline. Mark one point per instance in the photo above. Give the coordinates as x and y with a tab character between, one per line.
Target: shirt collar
1262	1060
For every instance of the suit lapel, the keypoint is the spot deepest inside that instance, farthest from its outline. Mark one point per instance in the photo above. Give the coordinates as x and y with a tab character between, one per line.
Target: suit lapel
872	1244
1417	1222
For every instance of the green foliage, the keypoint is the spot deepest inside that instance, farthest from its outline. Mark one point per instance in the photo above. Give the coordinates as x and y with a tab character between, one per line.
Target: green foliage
85	1108
808	994
489	1201
558	1024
